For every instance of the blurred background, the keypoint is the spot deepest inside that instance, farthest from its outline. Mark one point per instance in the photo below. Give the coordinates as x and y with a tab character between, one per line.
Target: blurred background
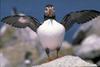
81	40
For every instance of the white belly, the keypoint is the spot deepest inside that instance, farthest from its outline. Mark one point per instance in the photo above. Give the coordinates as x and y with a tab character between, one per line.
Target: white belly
51	34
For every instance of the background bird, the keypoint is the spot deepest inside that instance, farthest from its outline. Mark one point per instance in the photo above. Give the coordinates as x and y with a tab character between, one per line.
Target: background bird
50	32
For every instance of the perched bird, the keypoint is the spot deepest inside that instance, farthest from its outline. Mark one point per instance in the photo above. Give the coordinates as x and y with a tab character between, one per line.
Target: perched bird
50	32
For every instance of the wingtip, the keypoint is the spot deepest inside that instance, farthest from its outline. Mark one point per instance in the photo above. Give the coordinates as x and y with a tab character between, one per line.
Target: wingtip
2	20
96	11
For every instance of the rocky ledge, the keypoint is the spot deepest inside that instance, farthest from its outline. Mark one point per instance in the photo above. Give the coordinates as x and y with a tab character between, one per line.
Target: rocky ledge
67	61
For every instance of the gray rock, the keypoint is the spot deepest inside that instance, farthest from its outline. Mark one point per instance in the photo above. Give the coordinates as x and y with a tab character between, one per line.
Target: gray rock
3	29
66	45
3	61
67	61
98	63
90	47
92	27
17	41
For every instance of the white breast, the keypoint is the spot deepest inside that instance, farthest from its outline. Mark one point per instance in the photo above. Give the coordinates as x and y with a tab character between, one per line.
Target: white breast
51	34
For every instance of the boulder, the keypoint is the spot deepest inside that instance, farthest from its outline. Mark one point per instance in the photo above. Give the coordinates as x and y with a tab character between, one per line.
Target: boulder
3	61
98	63
67	61
86	29
90	47
66	49
15	42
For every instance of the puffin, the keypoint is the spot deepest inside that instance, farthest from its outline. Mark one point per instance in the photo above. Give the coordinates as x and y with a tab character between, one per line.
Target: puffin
51	32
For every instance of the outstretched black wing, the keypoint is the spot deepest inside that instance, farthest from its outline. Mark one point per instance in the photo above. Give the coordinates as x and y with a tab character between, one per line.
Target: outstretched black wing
22	21
79	17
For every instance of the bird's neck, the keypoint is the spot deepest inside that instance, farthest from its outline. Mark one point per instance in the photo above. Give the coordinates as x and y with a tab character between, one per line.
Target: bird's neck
47	17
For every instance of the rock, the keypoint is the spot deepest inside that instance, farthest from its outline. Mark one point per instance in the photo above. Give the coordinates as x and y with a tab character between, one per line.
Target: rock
66	45
3	61
11	35
66	49
67	61
3	29
90	47
17	42
92	27
98	63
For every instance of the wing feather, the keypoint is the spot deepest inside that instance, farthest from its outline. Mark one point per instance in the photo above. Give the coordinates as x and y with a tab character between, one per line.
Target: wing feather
22	21
79	17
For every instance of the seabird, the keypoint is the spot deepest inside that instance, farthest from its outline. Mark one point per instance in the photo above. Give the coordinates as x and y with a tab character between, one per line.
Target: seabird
51	32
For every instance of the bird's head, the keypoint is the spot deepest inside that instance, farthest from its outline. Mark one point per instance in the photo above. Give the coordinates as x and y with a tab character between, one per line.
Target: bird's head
49	10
